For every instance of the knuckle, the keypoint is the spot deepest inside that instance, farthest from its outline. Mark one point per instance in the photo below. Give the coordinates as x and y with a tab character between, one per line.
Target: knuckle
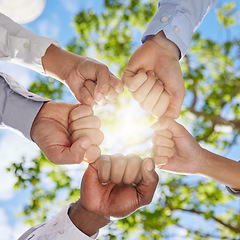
88	110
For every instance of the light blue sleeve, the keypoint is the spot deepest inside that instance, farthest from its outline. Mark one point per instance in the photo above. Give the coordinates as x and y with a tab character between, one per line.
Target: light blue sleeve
178	19
18	107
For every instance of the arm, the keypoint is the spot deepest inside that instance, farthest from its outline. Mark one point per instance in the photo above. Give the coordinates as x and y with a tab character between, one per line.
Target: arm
175	150
49	124
44	55
99	202
18	107
166	38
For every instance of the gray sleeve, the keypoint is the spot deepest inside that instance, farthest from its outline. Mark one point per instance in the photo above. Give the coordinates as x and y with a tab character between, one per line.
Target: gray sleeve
18	107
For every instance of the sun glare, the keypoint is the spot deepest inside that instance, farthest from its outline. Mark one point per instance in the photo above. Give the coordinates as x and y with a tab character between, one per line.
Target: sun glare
127	130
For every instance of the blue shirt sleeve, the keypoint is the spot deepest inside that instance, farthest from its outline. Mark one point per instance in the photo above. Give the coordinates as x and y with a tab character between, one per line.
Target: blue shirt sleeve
178	19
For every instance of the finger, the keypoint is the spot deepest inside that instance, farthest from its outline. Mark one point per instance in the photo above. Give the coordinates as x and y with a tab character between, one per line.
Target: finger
95	135
70	155
118	166
103	166
80	112
103	76
90	85
134	163
86	97
92	154
89	122
167	123
152	98
141	94
162	141
149	182
116	83
163	151
134	80
172	78
160	161
161	105
103	102
111	95
165	133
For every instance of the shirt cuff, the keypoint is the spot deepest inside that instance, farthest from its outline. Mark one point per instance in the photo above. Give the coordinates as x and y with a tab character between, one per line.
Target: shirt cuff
174	24
25	48
20	106
59	227
233	192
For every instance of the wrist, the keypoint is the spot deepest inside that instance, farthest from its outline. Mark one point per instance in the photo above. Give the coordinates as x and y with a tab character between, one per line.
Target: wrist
87	222
58	63
166	44
205	163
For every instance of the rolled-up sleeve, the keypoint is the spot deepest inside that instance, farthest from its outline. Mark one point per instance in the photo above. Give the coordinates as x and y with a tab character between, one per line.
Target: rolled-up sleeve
21	46
178	19
18	107
60	228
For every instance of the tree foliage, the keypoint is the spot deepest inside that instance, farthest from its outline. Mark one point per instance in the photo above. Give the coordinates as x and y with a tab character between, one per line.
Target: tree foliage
211	110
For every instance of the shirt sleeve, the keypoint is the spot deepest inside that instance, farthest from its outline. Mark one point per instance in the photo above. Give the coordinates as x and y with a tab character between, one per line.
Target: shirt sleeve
21	46
178	19
59	228
18	107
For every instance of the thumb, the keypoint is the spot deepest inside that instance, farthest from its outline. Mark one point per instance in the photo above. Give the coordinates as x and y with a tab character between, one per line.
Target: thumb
75	153
149	181
167	123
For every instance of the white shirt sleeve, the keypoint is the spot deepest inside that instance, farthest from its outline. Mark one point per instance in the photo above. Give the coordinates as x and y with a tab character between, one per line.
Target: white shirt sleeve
178	19
18	107
58	228
21	46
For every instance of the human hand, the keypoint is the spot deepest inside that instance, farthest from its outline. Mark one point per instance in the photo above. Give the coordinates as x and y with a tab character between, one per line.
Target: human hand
52	127
175	149
100	201
153	63
75	70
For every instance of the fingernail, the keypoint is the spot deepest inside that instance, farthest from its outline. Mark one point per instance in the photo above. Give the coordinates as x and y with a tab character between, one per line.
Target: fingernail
119	90
85	144
98	96
150	166
104	184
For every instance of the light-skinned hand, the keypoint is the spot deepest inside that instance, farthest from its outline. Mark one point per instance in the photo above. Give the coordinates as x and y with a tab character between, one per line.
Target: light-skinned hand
74	70
174	148
67	132
152	73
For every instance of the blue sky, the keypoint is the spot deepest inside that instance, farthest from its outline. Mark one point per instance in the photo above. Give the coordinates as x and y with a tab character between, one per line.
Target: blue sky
56	22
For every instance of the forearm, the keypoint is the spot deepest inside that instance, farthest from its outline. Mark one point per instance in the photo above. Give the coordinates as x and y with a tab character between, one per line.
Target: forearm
87	222
221	169
178	19
21	46
58	62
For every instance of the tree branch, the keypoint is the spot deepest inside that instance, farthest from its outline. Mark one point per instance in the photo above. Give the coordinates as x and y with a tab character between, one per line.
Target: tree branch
229	226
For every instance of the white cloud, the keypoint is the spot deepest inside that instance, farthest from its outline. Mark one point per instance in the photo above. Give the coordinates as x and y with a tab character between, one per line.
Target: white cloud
21	74
71	6
49	27
7	231
12	148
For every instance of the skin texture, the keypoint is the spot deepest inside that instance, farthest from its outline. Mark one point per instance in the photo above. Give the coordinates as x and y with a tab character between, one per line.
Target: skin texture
153	76
67	133
175	150
99	201
75	71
